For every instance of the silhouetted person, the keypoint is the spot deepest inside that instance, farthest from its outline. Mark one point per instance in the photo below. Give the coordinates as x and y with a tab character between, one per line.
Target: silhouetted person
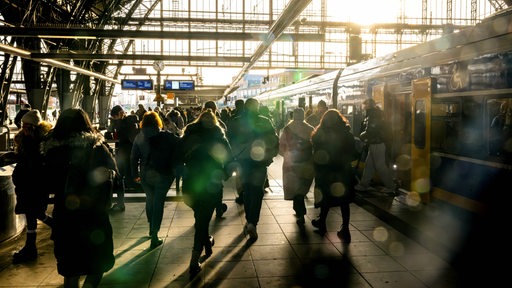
373	135
237	111
314	119
124	129
221	207
298	170
254	143
204	150
334	150
140	111
175	123
82	170
27	176
153	164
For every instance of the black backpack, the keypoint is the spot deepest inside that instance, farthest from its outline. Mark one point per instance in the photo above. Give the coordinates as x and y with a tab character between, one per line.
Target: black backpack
162	152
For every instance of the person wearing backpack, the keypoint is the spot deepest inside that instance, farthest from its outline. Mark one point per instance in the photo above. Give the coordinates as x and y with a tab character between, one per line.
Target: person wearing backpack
153	163
374	133
122	128
254	143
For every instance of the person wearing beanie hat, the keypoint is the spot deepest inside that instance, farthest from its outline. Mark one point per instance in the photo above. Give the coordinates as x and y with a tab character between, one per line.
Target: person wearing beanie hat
29	198
24	109
114	112
32	117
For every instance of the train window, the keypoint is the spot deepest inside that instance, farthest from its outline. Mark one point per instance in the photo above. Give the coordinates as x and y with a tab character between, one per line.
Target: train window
470	140
456	127
445	109
499	119
445	126
419	123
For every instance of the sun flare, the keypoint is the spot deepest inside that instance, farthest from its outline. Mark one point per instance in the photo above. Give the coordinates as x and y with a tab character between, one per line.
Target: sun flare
364	12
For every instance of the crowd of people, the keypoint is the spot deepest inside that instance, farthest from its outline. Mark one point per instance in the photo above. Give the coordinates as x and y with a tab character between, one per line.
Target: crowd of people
202	148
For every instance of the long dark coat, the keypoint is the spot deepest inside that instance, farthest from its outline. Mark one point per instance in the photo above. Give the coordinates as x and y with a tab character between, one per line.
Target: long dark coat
333	150
27	174
81	177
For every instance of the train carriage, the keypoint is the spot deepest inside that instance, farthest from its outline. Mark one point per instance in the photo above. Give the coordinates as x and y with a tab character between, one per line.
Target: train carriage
440	99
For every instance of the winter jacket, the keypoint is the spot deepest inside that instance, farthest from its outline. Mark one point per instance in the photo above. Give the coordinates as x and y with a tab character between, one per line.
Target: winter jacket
372	127
158	156
297	151
253	139
81	170
334	150
27	174
204	152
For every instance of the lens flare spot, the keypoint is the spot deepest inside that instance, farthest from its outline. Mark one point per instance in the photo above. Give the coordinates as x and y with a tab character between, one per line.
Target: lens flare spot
422	185
258	150
97	237
318	195
396	248
403	162
338	189
321	271
72	202
413	199
99	175
380	234
321	157
219	152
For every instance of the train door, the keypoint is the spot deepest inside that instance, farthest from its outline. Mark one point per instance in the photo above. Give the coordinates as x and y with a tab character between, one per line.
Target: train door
420	148
397	100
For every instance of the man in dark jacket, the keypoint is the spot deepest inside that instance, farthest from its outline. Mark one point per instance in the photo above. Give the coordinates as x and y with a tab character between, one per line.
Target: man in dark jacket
123	129
239	108
254	143
314	119
372	134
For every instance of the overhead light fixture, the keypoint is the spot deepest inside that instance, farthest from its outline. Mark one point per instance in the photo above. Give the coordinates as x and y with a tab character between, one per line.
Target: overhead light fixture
14	51
67	36
27	55
76	69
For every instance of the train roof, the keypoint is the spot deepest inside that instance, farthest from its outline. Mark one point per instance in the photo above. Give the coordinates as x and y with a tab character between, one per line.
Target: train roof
492	35
304	86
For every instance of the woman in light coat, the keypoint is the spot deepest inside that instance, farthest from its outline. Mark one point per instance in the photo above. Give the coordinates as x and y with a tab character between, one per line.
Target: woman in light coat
298	168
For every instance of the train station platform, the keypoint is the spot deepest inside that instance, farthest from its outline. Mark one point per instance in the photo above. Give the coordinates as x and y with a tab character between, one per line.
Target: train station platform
393	245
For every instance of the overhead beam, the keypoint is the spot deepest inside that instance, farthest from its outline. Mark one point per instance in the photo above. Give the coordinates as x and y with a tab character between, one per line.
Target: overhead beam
86	33
148	57
288	16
